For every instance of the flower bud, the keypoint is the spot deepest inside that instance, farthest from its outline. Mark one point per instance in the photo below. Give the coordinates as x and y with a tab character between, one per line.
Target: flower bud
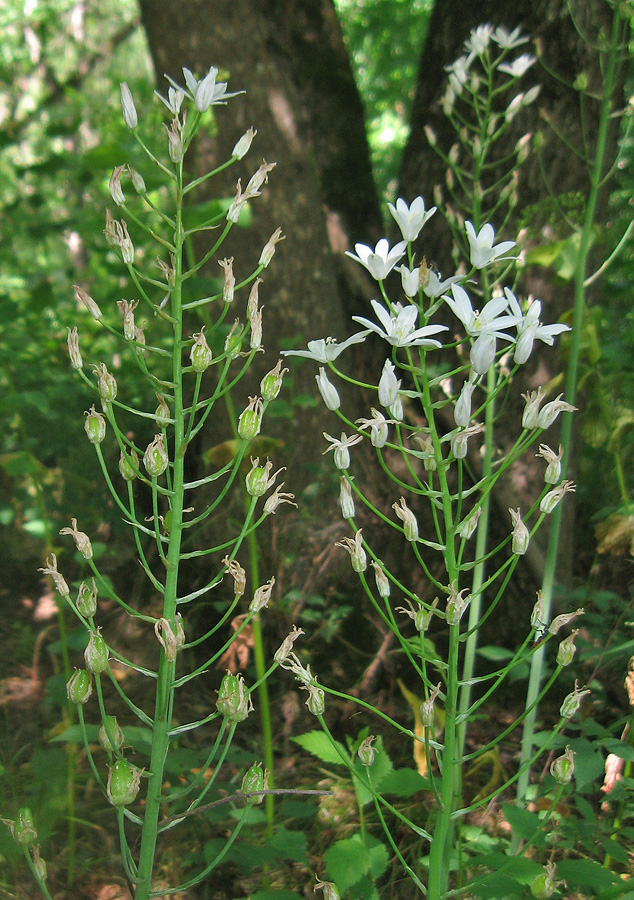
229	279
79	686
86	602
82	541
567	650
469	525
559	621
521	535
110	734
388	385
531	410
366	751
234	700
327	390
174	142
552	498
456	605
462	409
553	469
242	146
551	411
562	768
129	465
544	884
407	517
269	248
354	546
382	581
88	302
126	308
96	653
251	419
73	348
329	888
346	500
137	180
39	864
255	779
200	353
128	108
238	574
95	426
23	829
572	703
123	783
427	716
315	701
271	384
155	458
116	191
262	596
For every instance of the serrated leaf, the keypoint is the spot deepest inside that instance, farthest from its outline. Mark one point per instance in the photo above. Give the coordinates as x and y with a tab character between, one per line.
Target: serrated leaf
585	873
317	743
346	862
404	782
523	822
287	844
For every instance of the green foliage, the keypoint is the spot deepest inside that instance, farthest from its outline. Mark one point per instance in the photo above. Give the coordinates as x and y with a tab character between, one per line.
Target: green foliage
385	39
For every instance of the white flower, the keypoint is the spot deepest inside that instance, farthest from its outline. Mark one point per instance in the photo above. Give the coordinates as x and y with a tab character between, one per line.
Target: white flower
482	250
410	280
479	39
388	385
128	108
530	329
410	219
508	40
398	329
377	426
175	97
328	391
205	93
551	410
458	73
326	350
341	448
519	66
434	287
380	261
462	409
485	326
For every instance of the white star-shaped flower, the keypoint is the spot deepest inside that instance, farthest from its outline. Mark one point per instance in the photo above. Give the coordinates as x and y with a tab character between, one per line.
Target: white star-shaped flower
380	261
519	66
398	327
530	329
207	92
410	219
481	245
326	350
484	326
508	40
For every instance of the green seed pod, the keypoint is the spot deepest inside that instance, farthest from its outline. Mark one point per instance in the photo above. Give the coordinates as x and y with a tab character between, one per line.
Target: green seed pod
95	426
129	465
87	599
123	783
271	384
544	884
96	653
79	686
255	779
251	419
562	768
106	384
366	751
234	700
200	353
155	458
38	864
112	738
23	829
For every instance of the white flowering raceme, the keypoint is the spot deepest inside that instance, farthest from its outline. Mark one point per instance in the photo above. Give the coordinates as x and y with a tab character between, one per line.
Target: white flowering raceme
398	326
530	329
380	261
327	349
479	39
410	219
483	252
508	40
459	73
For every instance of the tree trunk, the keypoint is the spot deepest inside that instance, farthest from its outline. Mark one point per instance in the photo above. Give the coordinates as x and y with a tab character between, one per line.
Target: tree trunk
300	95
